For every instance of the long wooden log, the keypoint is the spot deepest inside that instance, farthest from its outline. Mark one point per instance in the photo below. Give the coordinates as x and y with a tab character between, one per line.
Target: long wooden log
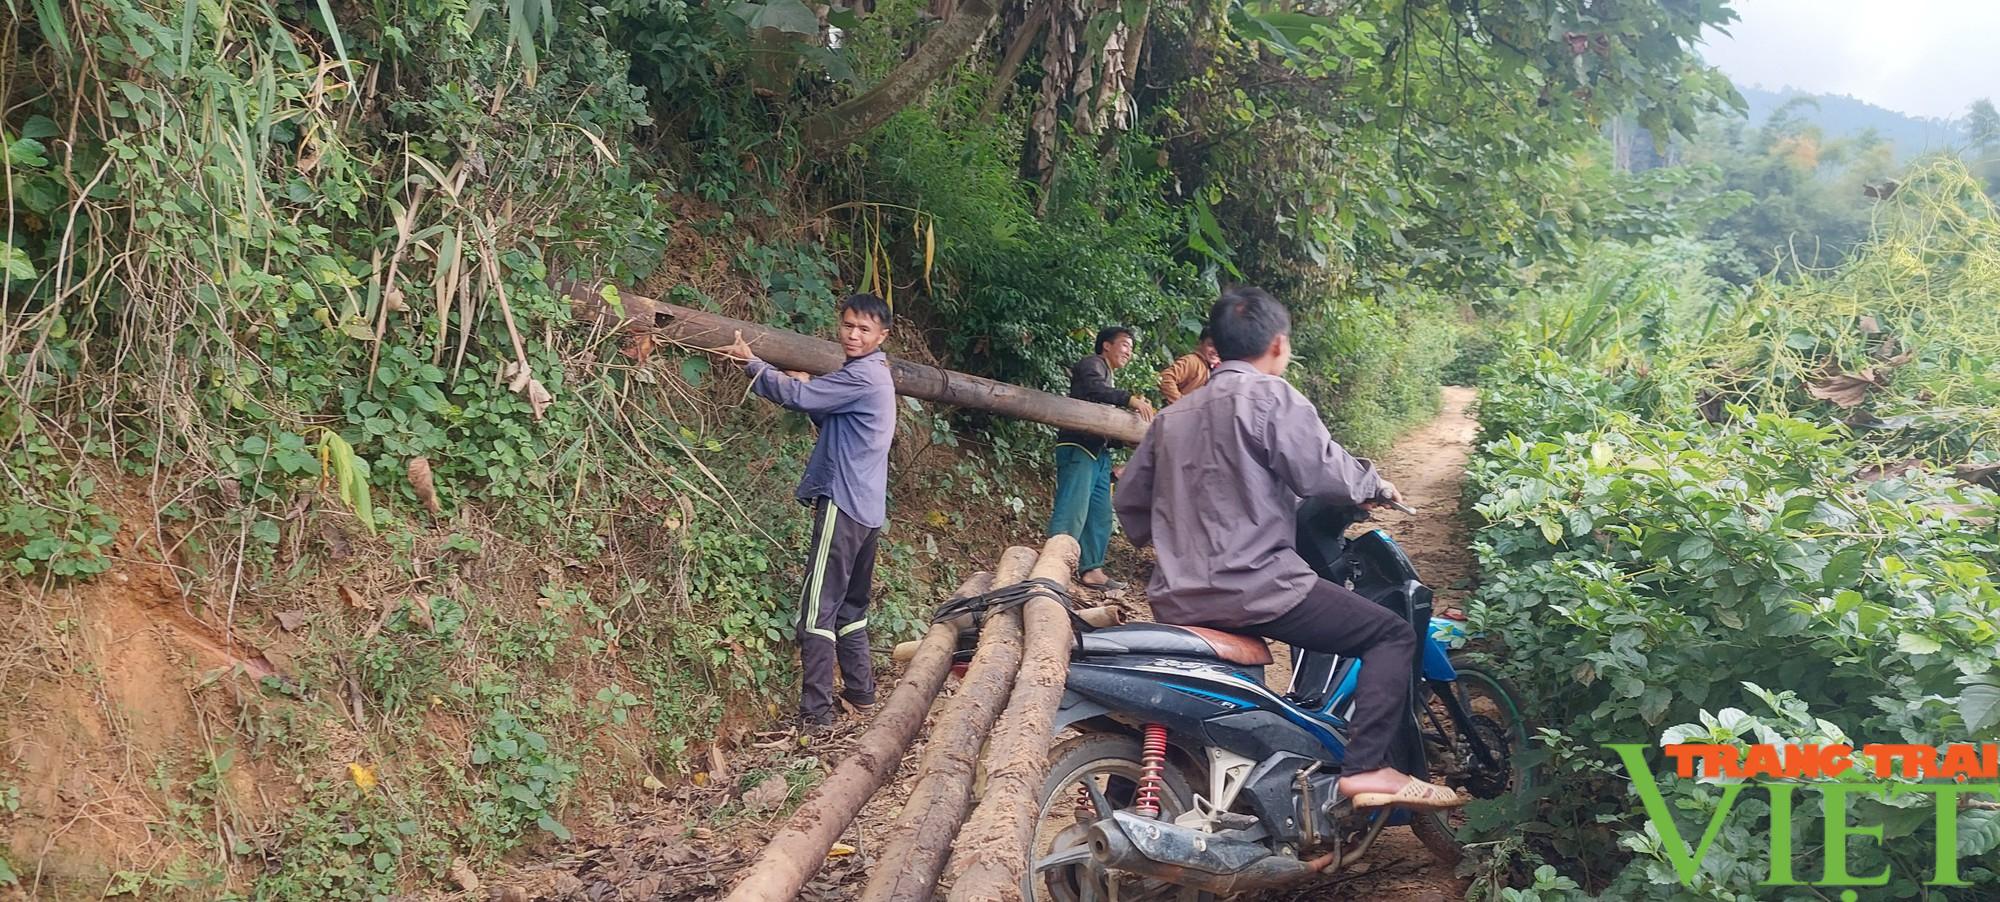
998	837
792	351
913	856
797	851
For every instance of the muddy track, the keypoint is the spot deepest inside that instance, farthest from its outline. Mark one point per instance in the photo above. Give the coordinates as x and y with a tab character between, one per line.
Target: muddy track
695	842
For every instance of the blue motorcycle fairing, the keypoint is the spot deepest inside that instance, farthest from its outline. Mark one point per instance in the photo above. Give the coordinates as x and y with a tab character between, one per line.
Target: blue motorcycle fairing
1437	662
1209	689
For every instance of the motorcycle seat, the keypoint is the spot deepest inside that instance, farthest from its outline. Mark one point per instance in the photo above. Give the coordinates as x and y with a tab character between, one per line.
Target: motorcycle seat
1185	641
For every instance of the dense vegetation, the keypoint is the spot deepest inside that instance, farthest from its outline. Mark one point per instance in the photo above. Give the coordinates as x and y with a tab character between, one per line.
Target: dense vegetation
282	327
1761	518
281	339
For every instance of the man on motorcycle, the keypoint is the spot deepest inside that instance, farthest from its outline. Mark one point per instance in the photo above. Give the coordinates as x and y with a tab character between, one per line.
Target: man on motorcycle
1215	488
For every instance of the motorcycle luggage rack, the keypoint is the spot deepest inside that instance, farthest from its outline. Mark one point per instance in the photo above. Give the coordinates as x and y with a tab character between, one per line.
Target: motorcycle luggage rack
1008	598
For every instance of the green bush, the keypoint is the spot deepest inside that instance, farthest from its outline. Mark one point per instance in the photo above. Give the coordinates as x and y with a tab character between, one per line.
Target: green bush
1649	564
1373	367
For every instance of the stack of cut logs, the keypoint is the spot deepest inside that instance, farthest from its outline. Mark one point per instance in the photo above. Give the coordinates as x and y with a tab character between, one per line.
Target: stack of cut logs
1004	705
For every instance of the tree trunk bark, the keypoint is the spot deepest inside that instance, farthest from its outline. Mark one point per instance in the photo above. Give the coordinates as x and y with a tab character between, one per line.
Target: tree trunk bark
838	126
1003	81
913	856
990	861
797	852
792	351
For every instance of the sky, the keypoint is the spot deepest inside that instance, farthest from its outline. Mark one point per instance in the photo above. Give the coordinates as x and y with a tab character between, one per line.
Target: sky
1922	57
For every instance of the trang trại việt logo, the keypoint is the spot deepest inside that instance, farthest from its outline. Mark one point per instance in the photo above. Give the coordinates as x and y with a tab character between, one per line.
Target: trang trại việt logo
1818	769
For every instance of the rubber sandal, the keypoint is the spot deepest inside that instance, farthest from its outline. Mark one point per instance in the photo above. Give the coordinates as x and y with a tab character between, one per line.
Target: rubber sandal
1414	794
1108	585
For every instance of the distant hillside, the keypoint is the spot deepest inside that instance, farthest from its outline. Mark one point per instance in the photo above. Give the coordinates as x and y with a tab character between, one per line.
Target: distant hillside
1841	117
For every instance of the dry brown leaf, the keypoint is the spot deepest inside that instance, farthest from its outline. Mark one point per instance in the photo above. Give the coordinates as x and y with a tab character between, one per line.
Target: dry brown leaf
1844	390
419	470
1982	474
420	612
394	298
717	765
232	492
290	621
638	347
462	875
354	599
768	795
840	849
1870	326
1874	472
539	398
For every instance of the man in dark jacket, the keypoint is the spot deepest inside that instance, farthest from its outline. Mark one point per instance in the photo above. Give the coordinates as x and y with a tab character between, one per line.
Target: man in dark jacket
1083	461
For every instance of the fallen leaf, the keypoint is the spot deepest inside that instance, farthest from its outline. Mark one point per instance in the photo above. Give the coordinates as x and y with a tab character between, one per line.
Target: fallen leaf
420	613
419	470
1979	473
461	874
1870	326
840	849
653	783
768	795
290	621
717	764
394	298
1884	470
362	776
1843	389
354	599
700	778
638	347
232	492
539	398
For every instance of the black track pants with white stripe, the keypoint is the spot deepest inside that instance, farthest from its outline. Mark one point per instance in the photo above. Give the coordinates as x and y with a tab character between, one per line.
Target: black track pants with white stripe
833	612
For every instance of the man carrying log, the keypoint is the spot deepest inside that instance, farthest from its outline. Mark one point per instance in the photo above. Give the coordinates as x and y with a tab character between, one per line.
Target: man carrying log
1215	488
846	484
1083	460
1190	371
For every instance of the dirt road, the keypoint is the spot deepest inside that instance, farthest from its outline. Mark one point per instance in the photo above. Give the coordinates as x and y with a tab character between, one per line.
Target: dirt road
694	844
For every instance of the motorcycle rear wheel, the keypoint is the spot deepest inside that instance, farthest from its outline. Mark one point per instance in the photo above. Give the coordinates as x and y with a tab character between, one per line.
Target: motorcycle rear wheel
1112	760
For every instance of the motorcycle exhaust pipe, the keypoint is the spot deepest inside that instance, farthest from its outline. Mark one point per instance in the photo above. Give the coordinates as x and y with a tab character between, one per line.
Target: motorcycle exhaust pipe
1188	857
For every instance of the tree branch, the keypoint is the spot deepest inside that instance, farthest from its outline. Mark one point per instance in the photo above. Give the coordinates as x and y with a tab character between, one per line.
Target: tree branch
841	124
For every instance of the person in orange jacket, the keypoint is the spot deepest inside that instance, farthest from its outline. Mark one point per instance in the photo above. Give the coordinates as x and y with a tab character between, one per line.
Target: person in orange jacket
1190	371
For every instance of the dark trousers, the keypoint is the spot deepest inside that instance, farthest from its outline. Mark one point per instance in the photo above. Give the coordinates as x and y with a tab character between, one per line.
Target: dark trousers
1336	619
833	612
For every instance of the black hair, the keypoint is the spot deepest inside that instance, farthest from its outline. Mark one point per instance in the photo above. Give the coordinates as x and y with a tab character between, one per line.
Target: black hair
1245	321
1206	335
867	305
1109	334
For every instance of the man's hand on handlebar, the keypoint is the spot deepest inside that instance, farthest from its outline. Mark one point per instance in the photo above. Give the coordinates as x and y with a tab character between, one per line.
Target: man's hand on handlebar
1388	496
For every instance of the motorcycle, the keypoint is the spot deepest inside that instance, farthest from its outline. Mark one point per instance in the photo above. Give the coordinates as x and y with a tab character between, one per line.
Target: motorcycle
1188	778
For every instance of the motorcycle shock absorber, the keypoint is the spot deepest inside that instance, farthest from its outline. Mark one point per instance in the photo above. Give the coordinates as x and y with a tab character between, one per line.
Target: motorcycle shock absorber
1152	764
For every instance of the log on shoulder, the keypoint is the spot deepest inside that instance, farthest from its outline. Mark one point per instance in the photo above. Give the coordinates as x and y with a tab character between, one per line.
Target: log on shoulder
791	351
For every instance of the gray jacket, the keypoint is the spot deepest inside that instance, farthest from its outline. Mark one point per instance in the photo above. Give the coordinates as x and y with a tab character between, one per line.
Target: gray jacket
1215	489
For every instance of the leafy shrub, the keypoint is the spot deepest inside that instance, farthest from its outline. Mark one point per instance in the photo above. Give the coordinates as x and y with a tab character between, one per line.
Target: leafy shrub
1373	367
1649	564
